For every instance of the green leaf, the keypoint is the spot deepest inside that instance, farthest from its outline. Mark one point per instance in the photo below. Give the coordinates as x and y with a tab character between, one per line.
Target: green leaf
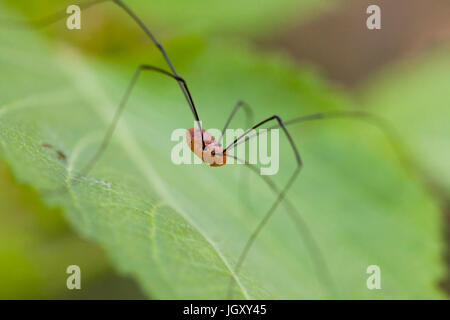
36	246
414	96
179	229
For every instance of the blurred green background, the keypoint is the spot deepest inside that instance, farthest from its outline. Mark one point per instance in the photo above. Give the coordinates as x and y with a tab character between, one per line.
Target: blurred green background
400	72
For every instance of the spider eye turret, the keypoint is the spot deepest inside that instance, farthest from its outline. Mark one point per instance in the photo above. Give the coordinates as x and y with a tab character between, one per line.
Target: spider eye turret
213	153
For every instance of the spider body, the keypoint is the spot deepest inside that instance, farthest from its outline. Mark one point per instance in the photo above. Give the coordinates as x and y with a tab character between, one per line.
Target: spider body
212	154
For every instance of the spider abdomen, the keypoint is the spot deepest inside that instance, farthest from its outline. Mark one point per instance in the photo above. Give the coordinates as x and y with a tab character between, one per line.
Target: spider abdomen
212	154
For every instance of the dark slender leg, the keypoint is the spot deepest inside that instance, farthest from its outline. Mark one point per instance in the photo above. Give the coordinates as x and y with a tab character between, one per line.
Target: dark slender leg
281	195
248	112
85	5
312	246
378	122
353	114
166	57
372	119
280	124
121	107
244	183
109	133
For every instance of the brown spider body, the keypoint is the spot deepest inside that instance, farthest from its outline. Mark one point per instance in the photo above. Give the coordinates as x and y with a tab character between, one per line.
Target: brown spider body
212	154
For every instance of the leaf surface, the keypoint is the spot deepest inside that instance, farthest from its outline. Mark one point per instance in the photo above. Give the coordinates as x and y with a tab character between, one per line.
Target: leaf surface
180	228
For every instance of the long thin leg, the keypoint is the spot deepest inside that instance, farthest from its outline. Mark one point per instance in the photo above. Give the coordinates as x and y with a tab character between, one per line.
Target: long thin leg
248	112
280	124
166	57
109	133
243	194
86	5
352	114
382	124
121	107
404	154
378	122
281	195
319	261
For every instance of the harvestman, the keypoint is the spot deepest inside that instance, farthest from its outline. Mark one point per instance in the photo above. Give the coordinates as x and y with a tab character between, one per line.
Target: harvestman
211	152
